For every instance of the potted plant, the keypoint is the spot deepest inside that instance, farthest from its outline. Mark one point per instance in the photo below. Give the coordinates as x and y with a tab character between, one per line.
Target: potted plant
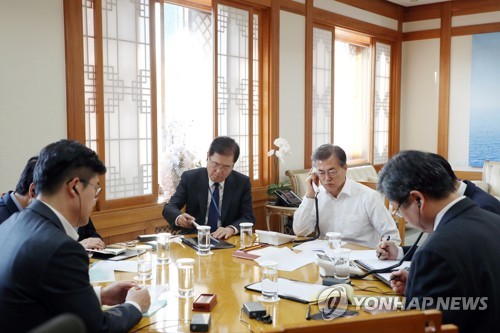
277	155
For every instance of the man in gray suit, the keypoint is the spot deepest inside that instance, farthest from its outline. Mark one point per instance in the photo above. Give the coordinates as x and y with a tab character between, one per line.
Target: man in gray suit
43	269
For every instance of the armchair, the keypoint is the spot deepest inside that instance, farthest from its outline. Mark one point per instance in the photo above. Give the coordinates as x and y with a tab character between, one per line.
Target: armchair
491	178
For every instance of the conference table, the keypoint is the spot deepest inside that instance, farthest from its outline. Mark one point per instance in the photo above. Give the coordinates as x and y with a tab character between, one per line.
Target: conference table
226	277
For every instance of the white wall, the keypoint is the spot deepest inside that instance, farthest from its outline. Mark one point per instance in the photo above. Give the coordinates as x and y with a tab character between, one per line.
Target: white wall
292	88
32	82
460	90
419	95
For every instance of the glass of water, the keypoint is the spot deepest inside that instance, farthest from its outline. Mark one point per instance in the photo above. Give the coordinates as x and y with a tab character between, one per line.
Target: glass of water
203	240
185	269
269	281
163	248
341	264
246	234
334	240
144	264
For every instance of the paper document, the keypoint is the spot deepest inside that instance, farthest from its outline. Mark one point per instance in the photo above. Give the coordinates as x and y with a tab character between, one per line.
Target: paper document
293	290
287	259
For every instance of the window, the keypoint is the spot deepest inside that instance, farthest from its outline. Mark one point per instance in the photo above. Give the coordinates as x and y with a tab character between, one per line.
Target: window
153	96
354	121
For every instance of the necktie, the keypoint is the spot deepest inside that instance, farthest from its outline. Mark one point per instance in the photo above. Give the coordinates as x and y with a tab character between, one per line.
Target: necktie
213	211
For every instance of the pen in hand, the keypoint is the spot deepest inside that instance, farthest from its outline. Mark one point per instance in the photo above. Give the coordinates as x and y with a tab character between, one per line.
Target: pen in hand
382	239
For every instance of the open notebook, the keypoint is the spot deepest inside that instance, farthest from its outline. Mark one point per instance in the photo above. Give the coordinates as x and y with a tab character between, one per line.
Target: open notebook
369	264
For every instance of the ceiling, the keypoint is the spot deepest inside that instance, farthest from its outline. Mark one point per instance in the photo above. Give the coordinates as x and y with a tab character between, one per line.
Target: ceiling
409	3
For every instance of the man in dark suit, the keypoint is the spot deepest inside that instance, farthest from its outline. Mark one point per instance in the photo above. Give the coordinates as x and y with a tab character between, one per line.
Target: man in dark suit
13	202
388	250
216	195
455	270
43	269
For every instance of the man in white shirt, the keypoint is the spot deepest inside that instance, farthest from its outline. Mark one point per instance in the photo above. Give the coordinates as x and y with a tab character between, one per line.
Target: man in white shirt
345	206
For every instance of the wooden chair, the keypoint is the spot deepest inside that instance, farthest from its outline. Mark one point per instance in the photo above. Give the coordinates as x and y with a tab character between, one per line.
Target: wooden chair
414	321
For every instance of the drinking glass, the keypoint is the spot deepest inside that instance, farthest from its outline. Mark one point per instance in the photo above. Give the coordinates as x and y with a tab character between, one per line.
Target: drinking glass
334	240
269	281
185	268
341	263
144	264
245	234
163	248
203	240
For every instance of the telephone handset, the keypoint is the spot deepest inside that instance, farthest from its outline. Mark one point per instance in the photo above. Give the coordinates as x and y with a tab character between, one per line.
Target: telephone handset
315	179
287	198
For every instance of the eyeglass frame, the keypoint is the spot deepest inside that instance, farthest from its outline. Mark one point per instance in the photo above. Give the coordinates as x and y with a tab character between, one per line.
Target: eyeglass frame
97	188
218	166
331	172
397	212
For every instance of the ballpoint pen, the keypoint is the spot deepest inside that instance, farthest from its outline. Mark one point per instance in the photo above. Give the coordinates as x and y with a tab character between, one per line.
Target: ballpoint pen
382	239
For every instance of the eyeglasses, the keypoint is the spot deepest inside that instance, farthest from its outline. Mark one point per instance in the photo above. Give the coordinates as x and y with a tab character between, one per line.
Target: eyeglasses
332	173
97	188
215	165
397	213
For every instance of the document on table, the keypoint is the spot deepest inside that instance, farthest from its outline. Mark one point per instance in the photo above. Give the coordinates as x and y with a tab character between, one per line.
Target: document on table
299	291
103	271
287	259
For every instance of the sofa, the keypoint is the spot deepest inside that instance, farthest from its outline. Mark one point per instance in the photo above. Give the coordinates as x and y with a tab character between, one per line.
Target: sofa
491	178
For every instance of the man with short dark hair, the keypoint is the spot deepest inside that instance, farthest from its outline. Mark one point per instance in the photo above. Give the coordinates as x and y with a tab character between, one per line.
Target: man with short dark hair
217	195
456	267
345	206
43	269
13	202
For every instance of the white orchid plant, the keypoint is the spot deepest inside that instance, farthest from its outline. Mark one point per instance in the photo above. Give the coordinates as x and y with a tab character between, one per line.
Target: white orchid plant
283	149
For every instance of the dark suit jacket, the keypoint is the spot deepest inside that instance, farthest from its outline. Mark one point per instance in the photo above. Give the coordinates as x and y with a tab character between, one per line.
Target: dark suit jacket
43	273
459	259
481	198
7	206
192	192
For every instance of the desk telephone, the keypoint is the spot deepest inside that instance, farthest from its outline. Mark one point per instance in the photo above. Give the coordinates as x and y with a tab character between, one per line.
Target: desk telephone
287	198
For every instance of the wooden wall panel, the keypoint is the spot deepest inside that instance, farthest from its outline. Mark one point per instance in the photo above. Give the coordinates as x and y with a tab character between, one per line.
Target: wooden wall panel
419	35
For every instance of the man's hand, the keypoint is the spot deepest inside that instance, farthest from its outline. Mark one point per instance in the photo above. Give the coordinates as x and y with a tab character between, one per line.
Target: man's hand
140	296
116	292
223	232
311	178
94	243
398	281
185	220
387	250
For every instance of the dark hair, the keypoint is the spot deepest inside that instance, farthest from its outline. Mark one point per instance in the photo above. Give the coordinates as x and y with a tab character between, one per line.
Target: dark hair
414	170
26	178
61	161
226	146
328	150
441	160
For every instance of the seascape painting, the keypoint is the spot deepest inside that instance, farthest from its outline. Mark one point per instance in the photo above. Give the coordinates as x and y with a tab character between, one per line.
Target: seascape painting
485	99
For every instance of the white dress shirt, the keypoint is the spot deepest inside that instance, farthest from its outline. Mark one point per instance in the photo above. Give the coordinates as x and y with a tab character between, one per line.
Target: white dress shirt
358	213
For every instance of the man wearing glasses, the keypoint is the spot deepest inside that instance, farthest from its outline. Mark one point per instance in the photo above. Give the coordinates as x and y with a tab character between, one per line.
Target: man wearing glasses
217	195
15	201
345	206
456	270
44	272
